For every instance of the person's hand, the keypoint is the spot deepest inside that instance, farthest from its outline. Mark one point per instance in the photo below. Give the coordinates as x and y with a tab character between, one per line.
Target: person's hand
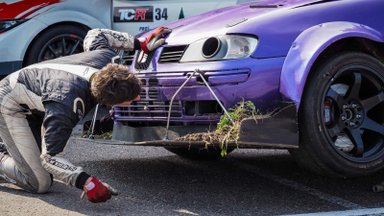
98	191
154	39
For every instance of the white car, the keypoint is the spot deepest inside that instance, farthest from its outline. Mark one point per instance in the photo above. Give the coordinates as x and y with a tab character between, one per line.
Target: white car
37	30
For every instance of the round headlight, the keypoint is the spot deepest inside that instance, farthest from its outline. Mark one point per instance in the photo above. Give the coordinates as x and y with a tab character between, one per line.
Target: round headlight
211	47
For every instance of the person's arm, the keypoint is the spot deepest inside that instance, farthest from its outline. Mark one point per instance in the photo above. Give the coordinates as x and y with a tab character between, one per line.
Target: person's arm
58	123
110	39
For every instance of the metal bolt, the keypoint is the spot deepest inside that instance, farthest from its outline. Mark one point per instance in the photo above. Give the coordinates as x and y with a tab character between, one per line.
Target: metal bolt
343	118
354	105
345	106
352	124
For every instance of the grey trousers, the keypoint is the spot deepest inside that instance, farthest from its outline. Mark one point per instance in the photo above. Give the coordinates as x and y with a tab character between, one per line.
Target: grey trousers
23	164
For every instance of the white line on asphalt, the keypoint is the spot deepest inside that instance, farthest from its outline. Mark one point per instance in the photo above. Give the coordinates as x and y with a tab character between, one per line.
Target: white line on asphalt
357	212
297	186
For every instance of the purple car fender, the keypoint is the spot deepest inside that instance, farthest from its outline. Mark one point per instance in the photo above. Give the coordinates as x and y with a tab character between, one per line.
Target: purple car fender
309	45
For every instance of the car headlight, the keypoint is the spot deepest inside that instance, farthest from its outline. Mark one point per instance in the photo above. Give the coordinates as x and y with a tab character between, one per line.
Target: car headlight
6	25
219	48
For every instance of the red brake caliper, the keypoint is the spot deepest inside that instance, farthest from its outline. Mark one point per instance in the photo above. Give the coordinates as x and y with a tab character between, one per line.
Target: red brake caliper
328	120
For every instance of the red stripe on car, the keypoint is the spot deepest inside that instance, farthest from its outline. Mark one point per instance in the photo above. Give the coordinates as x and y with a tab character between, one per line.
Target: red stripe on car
22	9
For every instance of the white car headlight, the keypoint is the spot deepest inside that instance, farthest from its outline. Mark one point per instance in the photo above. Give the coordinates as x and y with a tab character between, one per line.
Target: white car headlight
219	48
6	25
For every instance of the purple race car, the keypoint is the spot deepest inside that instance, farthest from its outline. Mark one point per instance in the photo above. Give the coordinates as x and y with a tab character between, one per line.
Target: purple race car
317	66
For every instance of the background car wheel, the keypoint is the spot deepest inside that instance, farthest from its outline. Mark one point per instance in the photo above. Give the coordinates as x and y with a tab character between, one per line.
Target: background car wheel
56	42
199	153
341	117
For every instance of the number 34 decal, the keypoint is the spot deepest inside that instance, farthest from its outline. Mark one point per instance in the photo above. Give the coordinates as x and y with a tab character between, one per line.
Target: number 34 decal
161	13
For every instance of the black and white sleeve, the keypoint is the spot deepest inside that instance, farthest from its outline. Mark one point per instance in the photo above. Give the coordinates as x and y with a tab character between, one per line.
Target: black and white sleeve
108	39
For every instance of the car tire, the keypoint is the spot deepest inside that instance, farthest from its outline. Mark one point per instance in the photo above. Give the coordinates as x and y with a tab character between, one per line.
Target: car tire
56	42
210	153
341	121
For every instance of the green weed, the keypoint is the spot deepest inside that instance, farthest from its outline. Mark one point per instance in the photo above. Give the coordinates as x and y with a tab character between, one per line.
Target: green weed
230	132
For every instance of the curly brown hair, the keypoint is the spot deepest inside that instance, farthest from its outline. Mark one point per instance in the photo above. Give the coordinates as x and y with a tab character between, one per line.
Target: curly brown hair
114	84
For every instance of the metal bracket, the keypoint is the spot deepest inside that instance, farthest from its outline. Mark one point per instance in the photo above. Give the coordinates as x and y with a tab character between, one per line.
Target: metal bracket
200	73
93	122
217	99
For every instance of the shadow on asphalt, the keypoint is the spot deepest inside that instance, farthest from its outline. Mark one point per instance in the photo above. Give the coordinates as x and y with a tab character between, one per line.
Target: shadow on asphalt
163	185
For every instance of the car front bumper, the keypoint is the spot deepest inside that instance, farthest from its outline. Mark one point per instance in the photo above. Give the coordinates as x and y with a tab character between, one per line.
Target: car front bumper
176	101
232	81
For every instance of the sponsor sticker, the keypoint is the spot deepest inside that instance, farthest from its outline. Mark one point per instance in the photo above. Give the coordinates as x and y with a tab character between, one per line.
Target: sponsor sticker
133	14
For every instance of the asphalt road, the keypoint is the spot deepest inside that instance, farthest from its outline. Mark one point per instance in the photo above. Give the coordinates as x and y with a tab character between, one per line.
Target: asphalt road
152	181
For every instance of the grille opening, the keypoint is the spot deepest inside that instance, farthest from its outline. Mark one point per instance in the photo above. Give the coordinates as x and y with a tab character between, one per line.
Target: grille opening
143	93
153	82
153	93
172	54
128	57
200	80
144	108
193	108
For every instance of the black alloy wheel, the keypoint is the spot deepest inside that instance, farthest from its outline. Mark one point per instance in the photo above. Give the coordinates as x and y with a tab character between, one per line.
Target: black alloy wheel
58	41
353	113
341	117
61	45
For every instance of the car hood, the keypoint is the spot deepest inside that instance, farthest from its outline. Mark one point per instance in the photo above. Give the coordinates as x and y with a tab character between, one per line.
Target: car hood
276	23
222	21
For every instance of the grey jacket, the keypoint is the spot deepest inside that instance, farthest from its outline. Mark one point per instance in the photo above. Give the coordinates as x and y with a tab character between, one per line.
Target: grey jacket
58	91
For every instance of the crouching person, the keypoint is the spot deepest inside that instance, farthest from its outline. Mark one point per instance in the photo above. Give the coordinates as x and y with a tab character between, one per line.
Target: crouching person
42	103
